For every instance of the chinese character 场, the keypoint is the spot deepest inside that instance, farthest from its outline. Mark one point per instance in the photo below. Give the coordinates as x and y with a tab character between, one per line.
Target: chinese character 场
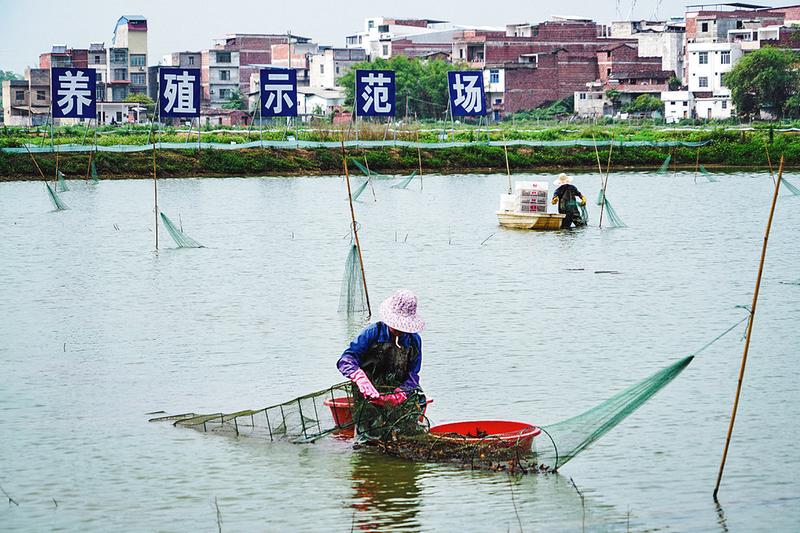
375	90
179	92
278	88
468	92
74	90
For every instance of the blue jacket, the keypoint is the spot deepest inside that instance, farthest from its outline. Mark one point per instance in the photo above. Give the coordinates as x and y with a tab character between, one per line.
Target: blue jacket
350	360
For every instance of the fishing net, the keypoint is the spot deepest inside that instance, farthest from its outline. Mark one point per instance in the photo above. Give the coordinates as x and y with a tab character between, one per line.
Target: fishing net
57	201
180	238
405	182
303	419
352	298
710	177
665	165
613	217
94	171
62	184
792	189
360	190
600	196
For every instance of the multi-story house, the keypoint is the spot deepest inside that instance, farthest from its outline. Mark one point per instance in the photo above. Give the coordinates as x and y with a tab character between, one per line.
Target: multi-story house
330	64
127	58
219	76
26	102
98	60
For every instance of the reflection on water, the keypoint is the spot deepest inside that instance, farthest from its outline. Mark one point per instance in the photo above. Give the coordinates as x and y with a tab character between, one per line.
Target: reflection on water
97	330
386	492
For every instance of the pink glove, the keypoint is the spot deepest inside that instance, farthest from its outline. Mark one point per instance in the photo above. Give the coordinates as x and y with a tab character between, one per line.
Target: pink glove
365	386
395	399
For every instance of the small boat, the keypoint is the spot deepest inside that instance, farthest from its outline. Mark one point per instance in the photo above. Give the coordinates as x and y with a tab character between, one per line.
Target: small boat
527	208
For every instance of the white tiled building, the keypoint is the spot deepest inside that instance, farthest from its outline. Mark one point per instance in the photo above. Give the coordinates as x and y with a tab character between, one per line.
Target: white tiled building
678	105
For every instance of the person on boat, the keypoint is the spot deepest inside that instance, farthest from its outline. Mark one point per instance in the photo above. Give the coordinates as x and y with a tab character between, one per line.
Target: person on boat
566	196
384	361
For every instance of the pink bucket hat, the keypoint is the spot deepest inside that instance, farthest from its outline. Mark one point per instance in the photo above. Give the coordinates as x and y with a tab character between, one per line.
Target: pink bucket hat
399	311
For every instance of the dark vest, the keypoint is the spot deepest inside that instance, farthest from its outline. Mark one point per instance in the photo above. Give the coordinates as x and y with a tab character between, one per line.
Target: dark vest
386	365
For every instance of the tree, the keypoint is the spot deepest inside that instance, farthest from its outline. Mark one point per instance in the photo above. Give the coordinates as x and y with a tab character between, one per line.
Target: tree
144	100
644	103
421	83
235	101
674	83
614	97
764	79
9	75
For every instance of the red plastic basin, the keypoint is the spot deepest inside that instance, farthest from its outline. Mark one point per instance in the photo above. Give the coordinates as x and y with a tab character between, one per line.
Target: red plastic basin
507	432
342	414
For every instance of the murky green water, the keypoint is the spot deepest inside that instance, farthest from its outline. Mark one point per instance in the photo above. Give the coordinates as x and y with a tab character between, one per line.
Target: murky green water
97	330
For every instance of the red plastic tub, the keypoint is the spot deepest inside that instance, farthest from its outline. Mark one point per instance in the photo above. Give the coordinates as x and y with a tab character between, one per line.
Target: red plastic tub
343	416
507	432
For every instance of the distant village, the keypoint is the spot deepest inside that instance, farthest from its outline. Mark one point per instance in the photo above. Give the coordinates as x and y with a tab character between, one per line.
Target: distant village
524	65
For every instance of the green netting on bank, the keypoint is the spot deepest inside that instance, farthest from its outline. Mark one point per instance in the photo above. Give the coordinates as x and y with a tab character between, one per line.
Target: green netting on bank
336	144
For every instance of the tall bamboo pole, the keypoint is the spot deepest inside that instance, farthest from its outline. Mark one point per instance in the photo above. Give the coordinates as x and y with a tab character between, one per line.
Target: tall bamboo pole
605	183
35	163
55	176
749	328
769	161
355	227
155	191
696	164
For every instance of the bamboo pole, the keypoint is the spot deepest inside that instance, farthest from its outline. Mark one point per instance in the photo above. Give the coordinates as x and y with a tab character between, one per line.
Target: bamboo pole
419	155
769	161
355	227
605	183
155	191
597	156
696	164
55	176
749	328
508	168
35	163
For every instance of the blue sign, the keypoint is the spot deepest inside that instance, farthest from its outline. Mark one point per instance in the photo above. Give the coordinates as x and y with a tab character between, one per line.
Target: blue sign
73	92
278	92
375	93
467	98
178	92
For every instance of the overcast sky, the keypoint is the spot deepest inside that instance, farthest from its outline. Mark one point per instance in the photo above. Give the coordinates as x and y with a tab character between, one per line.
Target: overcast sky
30	27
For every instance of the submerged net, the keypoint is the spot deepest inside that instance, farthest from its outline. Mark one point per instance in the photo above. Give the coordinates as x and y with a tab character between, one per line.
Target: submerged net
62	184
303	419
792	189
352	298
180	238
710	177
94	171
613	217
57	201
600	196
405	182
665	165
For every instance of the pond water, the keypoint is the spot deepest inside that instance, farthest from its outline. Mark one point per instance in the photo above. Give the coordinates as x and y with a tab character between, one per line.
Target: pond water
98	330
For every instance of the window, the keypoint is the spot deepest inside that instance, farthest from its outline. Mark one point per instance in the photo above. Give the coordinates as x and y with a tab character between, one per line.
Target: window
223	57
724	104
725	58
673	103
685	104
224	94
119	93
119	116
383	28
224	75
97	59
119	55
337	69
702	81
498	101
191	60
370	24
137	60
322	68
494	76
704	27
138	78
386	49
582	96
19	95
703	58
608	72
461	53
40	94
120	74
99	93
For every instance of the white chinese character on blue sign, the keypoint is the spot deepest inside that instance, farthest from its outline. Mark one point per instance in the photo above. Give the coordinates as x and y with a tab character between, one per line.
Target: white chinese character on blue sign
179	92
278	92
466	93
375	93
74	92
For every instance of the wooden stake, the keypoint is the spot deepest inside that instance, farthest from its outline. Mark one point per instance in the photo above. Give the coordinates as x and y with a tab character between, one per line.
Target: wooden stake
605	183
355	227
749	328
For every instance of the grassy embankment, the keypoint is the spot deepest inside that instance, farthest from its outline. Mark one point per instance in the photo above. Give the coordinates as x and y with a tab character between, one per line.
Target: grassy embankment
728	148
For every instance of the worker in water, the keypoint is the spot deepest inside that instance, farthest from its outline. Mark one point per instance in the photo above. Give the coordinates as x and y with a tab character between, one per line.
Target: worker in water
383	362
567	197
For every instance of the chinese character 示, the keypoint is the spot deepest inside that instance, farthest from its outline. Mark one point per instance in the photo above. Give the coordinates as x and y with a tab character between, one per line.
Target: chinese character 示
278	92
466	93
74	92
179	92
375	92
